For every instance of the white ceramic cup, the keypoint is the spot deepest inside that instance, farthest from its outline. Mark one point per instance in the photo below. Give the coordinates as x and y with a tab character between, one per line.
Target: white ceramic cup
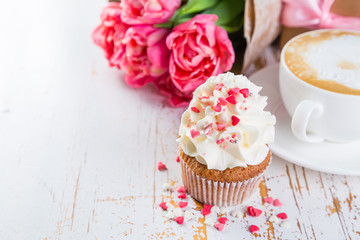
318	114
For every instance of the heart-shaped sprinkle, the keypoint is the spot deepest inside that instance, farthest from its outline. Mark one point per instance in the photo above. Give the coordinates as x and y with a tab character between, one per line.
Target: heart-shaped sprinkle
231	99
254	212
181	189
234	91
182	196
268	200
178	158
221	126
222	101
219	86
235	120
282	216
217	108
194	133
245	92
222	220
179	220
220	141
219	226
277	203
254	228
183	204
206	209
163	205
161	166
195	109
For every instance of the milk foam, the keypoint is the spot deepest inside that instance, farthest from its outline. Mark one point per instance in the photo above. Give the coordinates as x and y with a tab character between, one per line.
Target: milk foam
337	59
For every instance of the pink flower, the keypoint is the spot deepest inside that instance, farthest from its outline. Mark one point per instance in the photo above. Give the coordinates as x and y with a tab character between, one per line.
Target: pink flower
108	35
148	11
199	49
144	56
176	97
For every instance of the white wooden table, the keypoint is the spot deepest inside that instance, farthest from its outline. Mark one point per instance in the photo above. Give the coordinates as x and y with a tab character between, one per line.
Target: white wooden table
79	148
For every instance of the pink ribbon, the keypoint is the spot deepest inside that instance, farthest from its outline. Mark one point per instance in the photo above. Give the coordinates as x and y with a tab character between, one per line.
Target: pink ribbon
315	14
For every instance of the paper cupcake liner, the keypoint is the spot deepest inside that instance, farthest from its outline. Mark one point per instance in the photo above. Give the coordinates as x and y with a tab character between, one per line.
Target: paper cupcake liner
218	193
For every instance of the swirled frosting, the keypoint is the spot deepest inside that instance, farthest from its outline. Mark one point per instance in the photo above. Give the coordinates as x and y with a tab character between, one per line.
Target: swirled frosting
225	125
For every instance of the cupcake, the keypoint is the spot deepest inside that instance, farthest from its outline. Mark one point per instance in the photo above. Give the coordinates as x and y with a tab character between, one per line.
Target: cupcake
224	137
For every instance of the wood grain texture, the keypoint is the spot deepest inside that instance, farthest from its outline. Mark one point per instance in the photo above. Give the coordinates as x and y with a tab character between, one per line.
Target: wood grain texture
79	148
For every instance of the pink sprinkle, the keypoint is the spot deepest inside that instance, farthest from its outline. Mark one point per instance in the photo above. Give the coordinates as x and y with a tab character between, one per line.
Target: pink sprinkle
221	126
233	91
245	92
277	203
219	86
204	97
182	196
209	129
179	220
224	146
232	140
235	120
195	109
254	228
219	226
161	166
163	205
220	141
222	220
254	212
194	133
183	204
217	108
282	215
206	210
222	101
181	189
188	125
269	200
178	158
231	99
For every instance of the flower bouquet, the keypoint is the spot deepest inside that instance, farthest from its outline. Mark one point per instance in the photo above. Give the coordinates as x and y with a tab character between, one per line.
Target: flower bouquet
176	45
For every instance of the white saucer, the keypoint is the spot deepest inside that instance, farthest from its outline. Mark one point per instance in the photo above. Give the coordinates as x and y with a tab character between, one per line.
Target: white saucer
338	158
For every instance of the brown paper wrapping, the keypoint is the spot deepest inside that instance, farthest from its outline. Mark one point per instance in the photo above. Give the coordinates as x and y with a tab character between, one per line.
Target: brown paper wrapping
341	7
216	193
261	27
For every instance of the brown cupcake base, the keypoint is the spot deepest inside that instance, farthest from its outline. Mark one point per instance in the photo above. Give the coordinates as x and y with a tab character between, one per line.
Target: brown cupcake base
211	189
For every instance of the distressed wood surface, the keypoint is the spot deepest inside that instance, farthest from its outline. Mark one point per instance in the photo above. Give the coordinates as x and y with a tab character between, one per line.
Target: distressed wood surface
79	148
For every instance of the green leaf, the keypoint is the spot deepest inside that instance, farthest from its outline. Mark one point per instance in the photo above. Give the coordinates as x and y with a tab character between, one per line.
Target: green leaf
193	6
235	24
183	19
226	10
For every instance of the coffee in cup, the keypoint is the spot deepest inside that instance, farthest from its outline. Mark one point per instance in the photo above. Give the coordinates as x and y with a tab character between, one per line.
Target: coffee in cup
328	60
320	85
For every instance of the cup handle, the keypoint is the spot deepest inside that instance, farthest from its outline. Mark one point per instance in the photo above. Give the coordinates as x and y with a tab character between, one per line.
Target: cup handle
301	117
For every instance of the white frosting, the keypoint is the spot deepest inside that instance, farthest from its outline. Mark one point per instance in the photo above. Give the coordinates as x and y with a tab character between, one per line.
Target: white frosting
241	145
327	58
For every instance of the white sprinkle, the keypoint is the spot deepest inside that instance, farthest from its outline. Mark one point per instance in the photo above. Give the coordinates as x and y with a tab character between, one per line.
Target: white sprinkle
210	222
215	209
236	213
170	215
166	187
224	210
169	206
178	212
273	219
188	216
285	224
